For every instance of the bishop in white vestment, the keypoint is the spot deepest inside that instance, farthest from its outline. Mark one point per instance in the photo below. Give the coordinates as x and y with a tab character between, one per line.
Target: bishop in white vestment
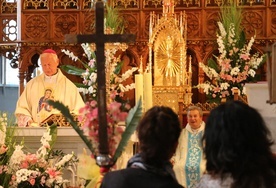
32	107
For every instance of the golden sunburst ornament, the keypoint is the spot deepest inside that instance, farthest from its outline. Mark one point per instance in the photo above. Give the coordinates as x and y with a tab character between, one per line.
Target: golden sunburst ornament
168	55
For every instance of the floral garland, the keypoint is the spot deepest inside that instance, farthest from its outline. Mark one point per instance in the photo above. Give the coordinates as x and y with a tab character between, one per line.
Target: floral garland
234	66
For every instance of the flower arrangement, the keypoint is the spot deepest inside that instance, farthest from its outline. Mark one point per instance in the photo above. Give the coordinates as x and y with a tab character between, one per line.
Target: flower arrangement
117	110
235	65
6	146
19	168
89	115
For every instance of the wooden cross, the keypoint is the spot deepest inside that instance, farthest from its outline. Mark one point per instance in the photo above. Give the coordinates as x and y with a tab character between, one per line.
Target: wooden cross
100	39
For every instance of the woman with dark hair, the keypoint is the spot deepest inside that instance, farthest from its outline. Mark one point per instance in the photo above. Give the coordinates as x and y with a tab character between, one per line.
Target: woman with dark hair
237	145
158	133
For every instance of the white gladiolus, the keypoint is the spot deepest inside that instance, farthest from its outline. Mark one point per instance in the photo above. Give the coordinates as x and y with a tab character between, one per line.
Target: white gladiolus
222	29
206	87
249	46
235	71
64	160
127	87
210	72
127	74
87	50
16	158
244	90
252	73
70	54
224	86
231	35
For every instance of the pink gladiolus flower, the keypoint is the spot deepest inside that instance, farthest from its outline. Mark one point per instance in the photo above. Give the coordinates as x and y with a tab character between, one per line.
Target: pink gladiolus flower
245	57
32	181
43	180
31	158
53	172
114	107
216	89
24	164
3	149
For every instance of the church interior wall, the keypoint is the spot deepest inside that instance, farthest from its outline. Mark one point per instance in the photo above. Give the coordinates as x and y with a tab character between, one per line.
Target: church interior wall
8	98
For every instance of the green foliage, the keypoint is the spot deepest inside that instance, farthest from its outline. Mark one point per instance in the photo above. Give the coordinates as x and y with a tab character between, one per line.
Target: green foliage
66	113
70	69
132	121
5	157
118	68
113	19
53	133
231	14
213	64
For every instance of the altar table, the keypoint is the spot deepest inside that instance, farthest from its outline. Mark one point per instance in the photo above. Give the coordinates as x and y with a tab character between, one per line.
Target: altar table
257	96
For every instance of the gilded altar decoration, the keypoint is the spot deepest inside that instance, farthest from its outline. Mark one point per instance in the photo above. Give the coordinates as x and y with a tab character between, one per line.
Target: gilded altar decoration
167	42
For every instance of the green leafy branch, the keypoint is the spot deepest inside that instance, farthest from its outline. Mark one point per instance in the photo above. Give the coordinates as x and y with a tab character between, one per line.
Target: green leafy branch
132	121
66	113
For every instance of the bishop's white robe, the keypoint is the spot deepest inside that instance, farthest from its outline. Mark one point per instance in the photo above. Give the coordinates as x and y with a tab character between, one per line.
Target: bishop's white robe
31	103
189	162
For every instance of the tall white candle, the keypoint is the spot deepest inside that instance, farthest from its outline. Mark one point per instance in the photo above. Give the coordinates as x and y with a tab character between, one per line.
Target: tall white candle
150	25
139	88
147	91
139	84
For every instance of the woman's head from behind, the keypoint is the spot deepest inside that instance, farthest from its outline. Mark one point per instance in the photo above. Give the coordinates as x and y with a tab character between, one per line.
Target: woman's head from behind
158	134
236	140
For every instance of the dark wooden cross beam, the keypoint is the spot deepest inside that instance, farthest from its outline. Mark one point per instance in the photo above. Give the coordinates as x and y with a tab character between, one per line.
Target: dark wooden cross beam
100	39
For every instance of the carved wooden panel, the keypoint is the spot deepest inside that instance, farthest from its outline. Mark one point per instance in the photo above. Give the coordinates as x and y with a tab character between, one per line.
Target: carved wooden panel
131	23
272	28
253	22
88	24
35	26
65	24
194	25
210	25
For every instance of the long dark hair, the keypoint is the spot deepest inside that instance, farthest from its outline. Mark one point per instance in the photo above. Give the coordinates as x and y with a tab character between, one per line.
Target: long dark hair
158	134
237	142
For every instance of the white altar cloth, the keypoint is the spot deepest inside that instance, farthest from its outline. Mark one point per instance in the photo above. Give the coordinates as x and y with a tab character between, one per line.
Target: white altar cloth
67	139
257	96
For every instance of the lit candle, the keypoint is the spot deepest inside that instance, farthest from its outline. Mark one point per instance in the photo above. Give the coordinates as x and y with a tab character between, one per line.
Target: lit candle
147	90
139	84
190	64
150	25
